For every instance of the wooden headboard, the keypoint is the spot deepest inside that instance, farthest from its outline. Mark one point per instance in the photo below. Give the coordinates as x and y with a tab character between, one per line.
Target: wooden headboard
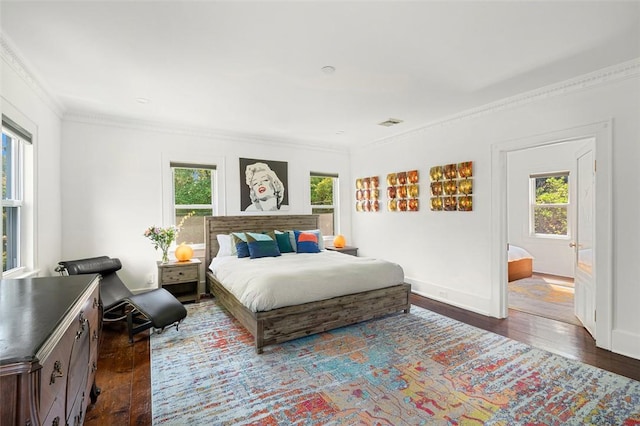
215	225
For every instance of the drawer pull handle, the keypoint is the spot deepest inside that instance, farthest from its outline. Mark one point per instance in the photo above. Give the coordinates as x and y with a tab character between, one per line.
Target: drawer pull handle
83	325
56	421
95	302
57	372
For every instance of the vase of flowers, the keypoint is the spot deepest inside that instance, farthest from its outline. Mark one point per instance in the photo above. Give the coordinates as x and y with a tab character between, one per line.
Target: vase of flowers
162	239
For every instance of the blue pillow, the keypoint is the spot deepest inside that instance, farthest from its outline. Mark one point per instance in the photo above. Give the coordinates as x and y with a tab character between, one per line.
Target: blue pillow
307	242
240	241
315	231
284	242
261	245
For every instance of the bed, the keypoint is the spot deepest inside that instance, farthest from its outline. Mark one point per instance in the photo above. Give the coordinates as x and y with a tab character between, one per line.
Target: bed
520	263
286	323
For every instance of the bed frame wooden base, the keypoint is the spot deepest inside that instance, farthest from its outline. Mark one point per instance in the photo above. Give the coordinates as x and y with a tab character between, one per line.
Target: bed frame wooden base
291	322
519	269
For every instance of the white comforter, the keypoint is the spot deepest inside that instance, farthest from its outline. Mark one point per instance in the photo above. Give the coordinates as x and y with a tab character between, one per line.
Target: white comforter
517	253
294	278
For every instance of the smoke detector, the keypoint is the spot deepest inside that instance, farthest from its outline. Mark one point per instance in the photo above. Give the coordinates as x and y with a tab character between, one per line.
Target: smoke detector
328	69
390	122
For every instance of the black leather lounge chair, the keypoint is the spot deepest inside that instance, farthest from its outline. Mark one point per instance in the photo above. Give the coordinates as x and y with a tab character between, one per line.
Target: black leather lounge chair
156	308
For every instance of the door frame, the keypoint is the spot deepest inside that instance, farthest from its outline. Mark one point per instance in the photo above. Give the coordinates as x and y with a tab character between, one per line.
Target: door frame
602	132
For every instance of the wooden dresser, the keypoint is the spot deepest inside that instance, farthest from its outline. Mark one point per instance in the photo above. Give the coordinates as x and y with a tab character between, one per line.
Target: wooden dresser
49	334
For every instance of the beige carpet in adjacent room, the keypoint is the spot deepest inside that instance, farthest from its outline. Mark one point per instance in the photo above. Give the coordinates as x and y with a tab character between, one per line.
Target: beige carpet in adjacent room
544	296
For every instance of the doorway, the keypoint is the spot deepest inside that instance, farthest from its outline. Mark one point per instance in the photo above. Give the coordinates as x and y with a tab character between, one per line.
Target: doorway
602	261
541	194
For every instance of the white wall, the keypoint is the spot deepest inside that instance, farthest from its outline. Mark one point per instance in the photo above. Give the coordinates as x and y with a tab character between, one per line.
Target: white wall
447	255
112	180
552	255
106	189
24	101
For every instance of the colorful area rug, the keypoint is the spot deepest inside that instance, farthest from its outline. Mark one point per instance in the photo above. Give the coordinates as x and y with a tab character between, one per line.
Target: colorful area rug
543	296
415	369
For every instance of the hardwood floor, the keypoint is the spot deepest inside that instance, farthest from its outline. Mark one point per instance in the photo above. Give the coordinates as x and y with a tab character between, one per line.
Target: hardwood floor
124	377
124	374
565	339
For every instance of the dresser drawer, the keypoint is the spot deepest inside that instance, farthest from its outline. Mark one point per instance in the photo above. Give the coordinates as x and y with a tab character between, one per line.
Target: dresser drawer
54	373
178	274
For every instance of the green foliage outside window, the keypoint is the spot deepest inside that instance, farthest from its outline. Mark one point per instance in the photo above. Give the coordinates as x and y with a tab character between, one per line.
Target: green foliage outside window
550	209
321	191
192	186
322	195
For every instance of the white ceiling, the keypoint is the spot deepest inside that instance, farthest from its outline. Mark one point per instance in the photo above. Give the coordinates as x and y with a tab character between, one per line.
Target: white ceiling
254	67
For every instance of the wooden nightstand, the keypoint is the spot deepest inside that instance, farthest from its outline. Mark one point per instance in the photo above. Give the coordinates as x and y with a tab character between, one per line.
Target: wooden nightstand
181	279
353	251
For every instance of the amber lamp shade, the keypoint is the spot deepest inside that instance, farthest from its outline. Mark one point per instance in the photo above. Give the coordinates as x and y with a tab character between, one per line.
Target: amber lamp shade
183	252
339	241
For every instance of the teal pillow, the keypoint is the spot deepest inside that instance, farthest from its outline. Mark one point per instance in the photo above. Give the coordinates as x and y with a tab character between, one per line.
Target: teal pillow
240	242
261	245
284	242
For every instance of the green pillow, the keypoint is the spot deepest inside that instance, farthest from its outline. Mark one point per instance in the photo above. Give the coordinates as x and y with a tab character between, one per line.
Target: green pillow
284	242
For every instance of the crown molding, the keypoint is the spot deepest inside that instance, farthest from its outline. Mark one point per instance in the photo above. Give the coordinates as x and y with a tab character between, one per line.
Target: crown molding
10	55
606	75
94	118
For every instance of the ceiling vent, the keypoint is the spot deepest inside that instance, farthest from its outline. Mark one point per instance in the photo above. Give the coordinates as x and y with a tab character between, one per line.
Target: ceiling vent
390	122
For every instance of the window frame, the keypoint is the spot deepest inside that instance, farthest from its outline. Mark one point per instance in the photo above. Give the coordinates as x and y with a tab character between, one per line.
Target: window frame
176	207
336	199
192	159
22	198
533	206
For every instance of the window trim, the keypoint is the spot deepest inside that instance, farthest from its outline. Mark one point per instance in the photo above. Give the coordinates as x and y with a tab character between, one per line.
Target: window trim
533	206
191	160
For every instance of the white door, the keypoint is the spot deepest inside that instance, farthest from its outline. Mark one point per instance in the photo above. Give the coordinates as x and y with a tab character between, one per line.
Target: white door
584	241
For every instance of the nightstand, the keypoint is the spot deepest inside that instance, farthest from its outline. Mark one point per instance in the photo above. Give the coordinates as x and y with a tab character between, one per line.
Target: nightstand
353	251
181	279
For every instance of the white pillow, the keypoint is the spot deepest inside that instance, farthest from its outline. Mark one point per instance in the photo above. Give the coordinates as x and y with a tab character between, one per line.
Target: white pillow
226	245
320	239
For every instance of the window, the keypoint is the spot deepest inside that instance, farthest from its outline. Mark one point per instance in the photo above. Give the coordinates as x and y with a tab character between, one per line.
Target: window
324	201
16	220
193	200
549	204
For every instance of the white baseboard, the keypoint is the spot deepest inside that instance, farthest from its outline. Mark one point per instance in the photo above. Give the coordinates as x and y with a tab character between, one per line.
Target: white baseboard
460	299
625	343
